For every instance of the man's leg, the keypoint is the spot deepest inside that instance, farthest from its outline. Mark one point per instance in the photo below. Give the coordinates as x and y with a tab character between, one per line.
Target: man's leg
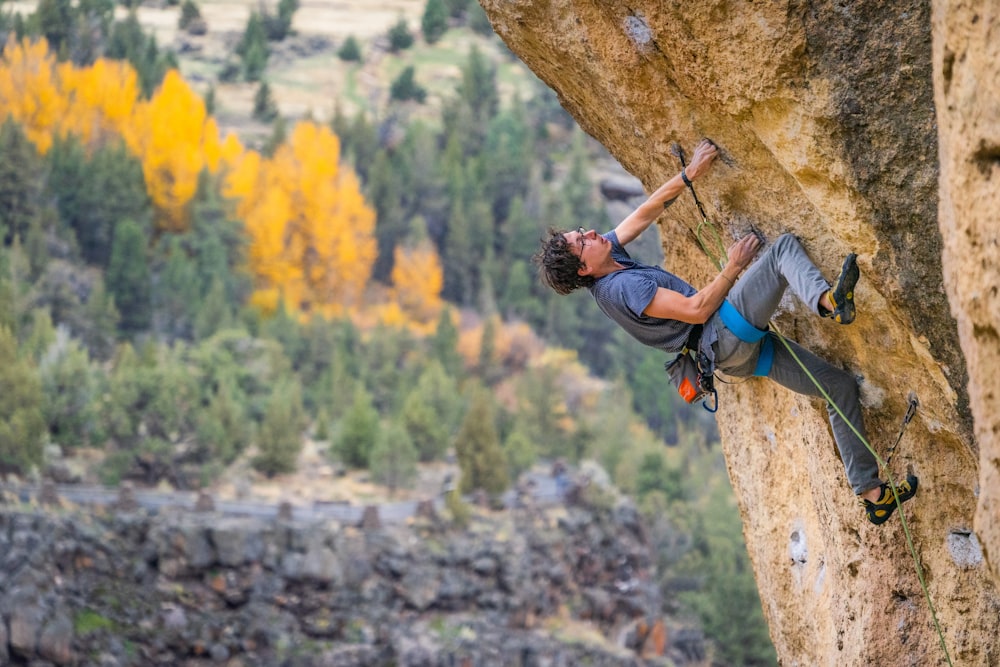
785	264
842	388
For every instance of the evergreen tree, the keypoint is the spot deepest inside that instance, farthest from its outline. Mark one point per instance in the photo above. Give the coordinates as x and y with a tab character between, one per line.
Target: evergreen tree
20	182
444	344
15	289
358	431
128	278
405	87
478	21
394	458
264	106
70	387
350	50
279	134
190	16
400	37
477	447
457	8
435	21
96	193
55	20
508	169
210	100
22	425
253	49
128	41
384	191
177	295
101	319
215	312
279	441
427	432
519	452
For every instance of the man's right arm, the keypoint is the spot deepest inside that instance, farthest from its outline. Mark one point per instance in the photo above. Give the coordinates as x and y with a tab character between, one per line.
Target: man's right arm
697	308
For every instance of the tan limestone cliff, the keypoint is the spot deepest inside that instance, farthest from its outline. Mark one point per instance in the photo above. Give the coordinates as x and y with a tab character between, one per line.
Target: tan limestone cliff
967	98
826	113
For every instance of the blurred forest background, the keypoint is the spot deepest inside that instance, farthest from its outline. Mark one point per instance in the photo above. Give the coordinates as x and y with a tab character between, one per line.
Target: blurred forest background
193	282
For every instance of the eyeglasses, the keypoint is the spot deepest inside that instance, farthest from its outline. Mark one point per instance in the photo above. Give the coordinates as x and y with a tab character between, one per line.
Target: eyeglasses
581	239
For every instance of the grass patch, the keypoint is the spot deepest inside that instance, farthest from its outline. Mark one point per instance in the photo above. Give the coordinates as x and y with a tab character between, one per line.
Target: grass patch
88	621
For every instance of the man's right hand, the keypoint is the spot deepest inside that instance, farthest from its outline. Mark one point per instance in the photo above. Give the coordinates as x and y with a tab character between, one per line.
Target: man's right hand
704	154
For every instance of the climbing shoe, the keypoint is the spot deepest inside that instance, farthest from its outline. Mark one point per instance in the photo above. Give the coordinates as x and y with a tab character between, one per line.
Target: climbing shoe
880	510
842	294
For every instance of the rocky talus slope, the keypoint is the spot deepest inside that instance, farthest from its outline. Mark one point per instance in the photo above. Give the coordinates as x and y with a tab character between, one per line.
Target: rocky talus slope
868	127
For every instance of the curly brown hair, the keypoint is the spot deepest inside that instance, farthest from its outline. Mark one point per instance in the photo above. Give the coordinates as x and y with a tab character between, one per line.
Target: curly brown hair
558	266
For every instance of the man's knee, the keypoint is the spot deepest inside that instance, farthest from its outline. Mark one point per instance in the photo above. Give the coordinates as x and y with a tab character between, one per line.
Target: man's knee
786	239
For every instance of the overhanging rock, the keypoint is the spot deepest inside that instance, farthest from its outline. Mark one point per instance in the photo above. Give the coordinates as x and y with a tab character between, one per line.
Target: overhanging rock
825	111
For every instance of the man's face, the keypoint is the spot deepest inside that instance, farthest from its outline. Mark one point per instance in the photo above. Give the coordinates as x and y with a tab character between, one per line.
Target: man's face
589	246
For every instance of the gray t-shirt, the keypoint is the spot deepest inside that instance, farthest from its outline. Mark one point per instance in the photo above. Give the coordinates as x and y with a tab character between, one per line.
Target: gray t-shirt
624	294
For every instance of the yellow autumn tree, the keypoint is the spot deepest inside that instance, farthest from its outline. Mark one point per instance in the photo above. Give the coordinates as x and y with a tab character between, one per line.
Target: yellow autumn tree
102	99
171	133
175	138
417	279
31	92
312	241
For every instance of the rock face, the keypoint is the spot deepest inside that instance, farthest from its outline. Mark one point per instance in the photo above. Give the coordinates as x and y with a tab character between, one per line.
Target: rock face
967	97
536	585
825	112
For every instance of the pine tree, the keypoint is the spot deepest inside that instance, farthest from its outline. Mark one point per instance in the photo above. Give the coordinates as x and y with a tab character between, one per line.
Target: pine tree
405	87
101	318
94	194
128	278
215	312
427	431
253	48
444	344
350	50
400	37
222	426
22	425
20	182
279	441
358	431
177	295
393	458
477	447
264	106
435	21
70	387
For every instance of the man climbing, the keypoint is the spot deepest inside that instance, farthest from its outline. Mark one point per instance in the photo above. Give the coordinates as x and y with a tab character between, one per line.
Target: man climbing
725	320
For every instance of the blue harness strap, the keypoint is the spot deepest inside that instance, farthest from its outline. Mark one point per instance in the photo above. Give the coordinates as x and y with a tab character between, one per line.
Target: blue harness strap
748	333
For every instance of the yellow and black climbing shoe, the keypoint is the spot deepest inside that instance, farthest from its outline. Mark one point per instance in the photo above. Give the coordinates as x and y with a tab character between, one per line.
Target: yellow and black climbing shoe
842	294
880	510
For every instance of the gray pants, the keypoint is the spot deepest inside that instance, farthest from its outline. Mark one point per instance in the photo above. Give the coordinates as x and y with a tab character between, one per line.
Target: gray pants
756	296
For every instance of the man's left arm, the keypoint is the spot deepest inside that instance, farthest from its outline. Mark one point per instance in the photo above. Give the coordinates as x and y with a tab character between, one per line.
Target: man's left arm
642	217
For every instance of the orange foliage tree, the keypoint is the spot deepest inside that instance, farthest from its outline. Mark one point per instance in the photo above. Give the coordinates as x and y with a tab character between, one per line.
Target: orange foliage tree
417	279
312	234
171	133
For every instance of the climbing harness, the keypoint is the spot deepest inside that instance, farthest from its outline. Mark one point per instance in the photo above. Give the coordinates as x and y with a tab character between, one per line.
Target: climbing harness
750	331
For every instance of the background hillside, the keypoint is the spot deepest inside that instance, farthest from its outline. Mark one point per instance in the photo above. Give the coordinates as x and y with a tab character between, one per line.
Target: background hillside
303	271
